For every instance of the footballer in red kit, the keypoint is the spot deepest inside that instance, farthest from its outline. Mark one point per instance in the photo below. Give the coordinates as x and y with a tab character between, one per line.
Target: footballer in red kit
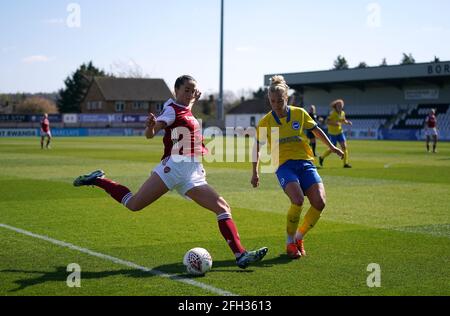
181	169
431	130
45	131
179	118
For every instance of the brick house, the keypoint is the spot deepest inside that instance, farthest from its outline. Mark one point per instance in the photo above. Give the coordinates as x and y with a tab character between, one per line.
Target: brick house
125	95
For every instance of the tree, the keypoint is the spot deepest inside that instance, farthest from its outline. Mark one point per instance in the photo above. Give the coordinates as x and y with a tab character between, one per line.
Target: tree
362	65
408	59
76	87
340	63
36	105
384	63
128	69
207	105
5	99
260	94
245	94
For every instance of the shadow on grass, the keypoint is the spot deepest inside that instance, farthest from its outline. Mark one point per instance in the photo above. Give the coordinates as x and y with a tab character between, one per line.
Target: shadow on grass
174	271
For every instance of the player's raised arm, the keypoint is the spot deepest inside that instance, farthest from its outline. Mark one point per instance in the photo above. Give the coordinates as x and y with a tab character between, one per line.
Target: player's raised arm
324	138
153	126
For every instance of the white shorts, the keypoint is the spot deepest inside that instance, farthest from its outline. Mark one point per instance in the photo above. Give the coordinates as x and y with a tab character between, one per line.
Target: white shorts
431	132
181	174
48	134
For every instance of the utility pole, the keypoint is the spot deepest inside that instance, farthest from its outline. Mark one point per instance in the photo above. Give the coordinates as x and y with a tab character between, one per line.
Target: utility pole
220	110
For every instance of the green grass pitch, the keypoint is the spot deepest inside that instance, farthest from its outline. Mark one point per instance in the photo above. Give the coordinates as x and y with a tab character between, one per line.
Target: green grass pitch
392	209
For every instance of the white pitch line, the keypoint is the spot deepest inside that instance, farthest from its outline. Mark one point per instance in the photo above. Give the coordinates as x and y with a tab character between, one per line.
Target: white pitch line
121	262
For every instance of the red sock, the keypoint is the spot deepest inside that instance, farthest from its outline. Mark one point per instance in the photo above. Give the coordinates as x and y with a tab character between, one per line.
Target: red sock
231	235
116	190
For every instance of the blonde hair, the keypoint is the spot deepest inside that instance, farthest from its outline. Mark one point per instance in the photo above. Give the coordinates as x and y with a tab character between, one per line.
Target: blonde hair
278	84
336	102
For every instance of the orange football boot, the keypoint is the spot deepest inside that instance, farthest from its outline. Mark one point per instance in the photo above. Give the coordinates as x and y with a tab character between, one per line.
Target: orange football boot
292	251
301	247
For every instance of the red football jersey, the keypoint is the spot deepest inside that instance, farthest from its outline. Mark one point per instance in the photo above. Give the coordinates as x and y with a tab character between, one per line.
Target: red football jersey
183	124
431	121
45	125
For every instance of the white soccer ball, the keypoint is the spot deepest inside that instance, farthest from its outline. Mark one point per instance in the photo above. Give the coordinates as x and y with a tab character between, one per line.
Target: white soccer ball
198	261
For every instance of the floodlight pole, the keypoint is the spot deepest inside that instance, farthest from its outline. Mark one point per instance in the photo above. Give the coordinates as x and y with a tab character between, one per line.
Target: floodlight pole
220	110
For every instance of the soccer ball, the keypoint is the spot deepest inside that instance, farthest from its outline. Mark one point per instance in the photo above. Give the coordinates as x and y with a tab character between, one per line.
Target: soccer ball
198	261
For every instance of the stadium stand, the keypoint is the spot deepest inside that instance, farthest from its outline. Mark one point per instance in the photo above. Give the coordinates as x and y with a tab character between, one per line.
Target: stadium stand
415	118
393	99
366	117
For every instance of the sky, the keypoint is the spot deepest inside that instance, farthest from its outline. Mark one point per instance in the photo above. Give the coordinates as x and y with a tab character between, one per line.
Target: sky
44	41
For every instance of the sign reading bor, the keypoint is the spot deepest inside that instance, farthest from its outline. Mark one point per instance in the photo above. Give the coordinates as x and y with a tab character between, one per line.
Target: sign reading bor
439	69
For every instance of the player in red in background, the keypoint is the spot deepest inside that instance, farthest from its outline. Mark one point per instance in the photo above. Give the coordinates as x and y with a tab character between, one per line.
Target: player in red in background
45	131
431	130
180	169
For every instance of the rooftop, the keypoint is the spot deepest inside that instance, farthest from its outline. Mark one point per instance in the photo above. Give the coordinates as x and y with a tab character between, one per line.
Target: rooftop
130	89
436	73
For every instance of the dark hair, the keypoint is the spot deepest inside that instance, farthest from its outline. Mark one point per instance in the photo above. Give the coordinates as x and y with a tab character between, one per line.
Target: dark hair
180	81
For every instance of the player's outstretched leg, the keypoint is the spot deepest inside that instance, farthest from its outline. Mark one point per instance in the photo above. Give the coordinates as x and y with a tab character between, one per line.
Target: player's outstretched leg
97	178
149	192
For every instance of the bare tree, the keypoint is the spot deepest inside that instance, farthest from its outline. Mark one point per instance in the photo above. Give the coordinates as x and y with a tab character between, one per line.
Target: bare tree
128	69
36	105
245	94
